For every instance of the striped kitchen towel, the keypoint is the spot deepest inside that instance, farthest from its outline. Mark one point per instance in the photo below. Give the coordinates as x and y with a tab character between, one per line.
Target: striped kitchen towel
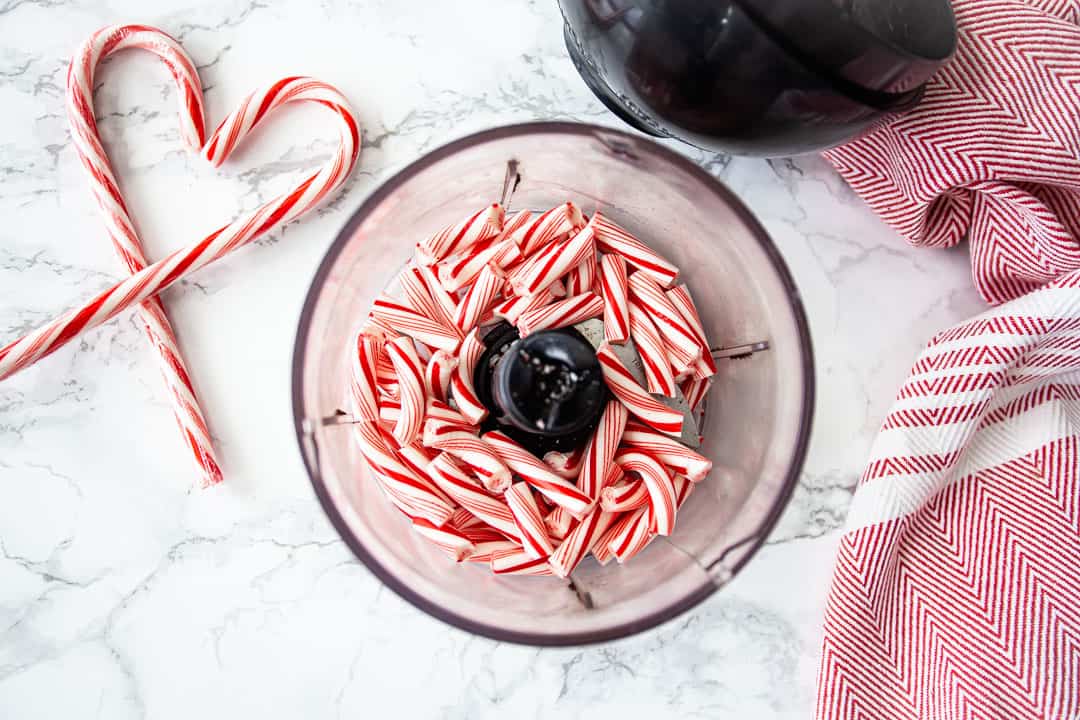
956	592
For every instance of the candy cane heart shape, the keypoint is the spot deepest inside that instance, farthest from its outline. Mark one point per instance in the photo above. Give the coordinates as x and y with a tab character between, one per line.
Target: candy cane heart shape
625	387
154	278
410	373
529	521
662	495
118	222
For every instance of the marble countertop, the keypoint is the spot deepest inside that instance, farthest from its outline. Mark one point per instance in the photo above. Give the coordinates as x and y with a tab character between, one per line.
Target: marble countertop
125	593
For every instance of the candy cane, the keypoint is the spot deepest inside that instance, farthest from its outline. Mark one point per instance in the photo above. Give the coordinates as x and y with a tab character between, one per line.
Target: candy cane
515	307
507	255
440	411
680	298
363	381
437	374
446	538
554	266
614	291
461	381
679	339
483	552
419	327
471	450
610	238
389	412
623	385
446	302
419	298
601	448
557	221
118	223
577	544
625	497
662	496
516	274
518	562
694	389
530	524
558	523
670	452
460	236
462	520
582	279
459	272
525	465
561	314
565	465
479	298
654	358
634	533
410	375
468	493
399	480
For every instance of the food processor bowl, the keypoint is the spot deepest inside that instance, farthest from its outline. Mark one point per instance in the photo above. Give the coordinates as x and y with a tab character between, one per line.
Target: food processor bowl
756	421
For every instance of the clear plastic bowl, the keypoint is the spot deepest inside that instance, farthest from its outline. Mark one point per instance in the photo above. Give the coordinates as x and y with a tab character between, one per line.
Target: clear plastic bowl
758	414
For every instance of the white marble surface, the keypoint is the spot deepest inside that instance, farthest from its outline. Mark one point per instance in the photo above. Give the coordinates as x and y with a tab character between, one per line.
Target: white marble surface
124	593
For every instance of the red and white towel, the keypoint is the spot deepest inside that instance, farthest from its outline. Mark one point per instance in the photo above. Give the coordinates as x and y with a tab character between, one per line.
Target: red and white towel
956	592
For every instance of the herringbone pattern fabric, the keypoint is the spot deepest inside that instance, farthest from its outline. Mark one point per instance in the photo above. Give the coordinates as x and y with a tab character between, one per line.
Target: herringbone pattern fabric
993	151
957	587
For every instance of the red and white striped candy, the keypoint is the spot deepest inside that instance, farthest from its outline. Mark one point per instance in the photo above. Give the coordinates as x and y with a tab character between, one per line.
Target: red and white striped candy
462	519
409	322
694	389
679	340
633	534
654	358
558	523
458	272
615	293
679	296
518	562
601	449
468	493
410	374
389	412
461	381
683	488
530	524
577	544
565	465
479	298
555	265
563	313
453	239
662	497
470	450
524	464
413	492
484	551
446	302
625	387
547	227
446	538
418	296
437	374
669	451
630	496
364	379
517	273
610	238
514	307
613	476
440	411
377	328
582	278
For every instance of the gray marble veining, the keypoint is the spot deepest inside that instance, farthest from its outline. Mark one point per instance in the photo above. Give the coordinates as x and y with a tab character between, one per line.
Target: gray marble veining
125	594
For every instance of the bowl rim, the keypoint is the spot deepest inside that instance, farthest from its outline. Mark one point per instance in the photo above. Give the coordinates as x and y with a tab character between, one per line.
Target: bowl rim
754	541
